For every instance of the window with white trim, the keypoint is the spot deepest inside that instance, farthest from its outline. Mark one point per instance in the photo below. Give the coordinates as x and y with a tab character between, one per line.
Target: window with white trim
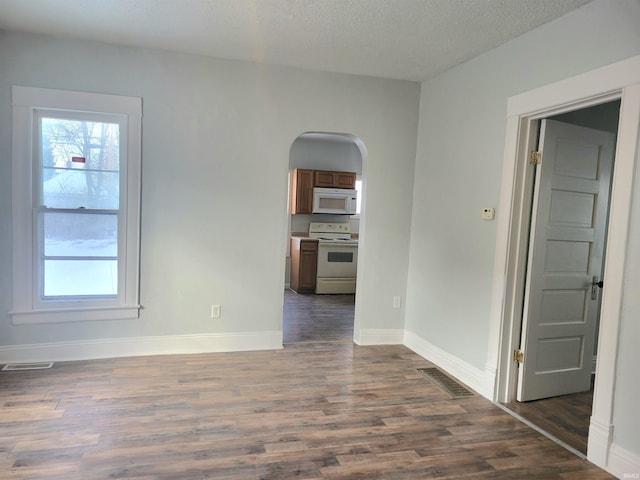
76	203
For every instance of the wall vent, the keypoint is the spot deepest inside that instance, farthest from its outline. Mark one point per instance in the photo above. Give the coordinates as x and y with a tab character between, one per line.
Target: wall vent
27	366
444	382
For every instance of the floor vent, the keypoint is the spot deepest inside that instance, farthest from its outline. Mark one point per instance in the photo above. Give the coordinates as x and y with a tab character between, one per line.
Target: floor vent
445	383
27	366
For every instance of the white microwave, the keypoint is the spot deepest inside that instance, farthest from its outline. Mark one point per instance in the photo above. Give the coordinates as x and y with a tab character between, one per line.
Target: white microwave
337	201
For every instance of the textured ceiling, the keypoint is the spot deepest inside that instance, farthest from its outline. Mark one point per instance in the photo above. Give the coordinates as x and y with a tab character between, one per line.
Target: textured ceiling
403	39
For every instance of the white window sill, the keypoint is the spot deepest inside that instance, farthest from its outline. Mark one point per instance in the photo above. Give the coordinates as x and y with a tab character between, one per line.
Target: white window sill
63	315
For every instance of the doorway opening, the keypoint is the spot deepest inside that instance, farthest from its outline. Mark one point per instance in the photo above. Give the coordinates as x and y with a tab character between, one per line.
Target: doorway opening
319	292
560	317
618	81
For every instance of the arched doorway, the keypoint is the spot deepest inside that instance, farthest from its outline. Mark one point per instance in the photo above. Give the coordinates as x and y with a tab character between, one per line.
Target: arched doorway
318	314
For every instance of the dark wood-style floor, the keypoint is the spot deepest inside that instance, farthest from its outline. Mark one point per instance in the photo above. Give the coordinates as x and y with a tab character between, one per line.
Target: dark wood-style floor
566	417
314	318
321	318
308	411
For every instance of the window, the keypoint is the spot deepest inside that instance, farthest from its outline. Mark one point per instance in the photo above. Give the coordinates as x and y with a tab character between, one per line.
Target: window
76	189
359	198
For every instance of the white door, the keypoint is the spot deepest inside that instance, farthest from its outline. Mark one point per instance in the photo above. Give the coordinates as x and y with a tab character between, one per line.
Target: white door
566	246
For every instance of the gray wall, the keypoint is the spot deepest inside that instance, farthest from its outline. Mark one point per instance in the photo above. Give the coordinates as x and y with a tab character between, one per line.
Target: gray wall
458	171
216	141
600	117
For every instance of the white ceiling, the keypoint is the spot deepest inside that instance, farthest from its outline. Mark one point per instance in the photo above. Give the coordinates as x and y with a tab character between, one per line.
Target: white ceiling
402	39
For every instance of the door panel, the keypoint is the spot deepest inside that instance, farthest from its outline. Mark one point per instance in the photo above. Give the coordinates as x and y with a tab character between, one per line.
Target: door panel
566	247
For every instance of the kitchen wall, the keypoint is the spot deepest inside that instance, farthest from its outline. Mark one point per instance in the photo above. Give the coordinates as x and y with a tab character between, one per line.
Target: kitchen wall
324	152
458	172
216	141
300	222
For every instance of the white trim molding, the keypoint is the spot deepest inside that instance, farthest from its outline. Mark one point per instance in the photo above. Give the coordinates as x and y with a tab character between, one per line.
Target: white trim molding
600	438
139	346
480	381
623	463
29	304
381	336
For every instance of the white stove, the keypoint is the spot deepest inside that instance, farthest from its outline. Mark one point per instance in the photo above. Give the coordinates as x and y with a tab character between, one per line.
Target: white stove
331	232
337	257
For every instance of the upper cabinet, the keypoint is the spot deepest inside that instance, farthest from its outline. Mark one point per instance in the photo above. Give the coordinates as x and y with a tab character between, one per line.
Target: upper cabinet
301	191
303	181
325	178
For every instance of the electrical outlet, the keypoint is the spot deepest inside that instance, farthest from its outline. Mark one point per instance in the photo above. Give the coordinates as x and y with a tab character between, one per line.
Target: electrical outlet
215	311
488	213
396	301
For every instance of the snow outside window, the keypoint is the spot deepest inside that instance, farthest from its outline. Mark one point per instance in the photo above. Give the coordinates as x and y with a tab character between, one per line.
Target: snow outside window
76	164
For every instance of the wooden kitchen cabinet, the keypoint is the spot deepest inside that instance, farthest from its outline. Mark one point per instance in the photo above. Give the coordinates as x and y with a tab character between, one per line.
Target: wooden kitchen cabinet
303	181
331	179
304	264
301	191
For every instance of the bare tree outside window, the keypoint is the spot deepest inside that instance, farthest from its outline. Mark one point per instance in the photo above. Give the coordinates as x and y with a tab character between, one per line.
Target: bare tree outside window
80	196
80	164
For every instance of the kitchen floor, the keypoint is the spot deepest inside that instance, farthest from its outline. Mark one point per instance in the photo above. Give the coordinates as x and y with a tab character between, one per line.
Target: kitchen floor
318	318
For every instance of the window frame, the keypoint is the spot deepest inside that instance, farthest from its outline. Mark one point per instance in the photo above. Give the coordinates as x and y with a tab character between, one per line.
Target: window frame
29	103
358	188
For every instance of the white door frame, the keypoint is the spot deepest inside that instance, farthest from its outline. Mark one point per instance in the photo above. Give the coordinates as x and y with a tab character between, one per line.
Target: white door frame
620	80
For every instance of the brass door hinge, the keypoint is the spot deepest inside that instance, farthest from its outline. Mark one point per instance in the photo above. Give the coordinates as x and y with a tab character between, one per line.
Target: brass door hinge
536	158
518	356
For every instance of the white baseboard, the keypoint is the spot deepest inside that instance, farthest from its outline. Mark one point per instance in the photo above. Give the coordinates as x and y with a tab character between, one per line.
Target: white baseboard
381	336
129	347
603	452
623	463
481	382
490	379
599	440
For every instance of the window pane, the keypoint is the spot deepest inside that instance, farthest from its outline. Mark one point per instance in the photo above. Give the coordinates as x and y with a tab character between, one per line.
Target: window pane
80	163
79	188
80	235
80	277
340	257
359	197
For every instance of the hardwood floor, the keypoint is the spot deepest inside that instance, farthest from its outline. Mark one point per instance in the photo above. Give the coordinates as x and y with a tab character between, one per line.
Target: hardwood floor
565	417
318	318
308	411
